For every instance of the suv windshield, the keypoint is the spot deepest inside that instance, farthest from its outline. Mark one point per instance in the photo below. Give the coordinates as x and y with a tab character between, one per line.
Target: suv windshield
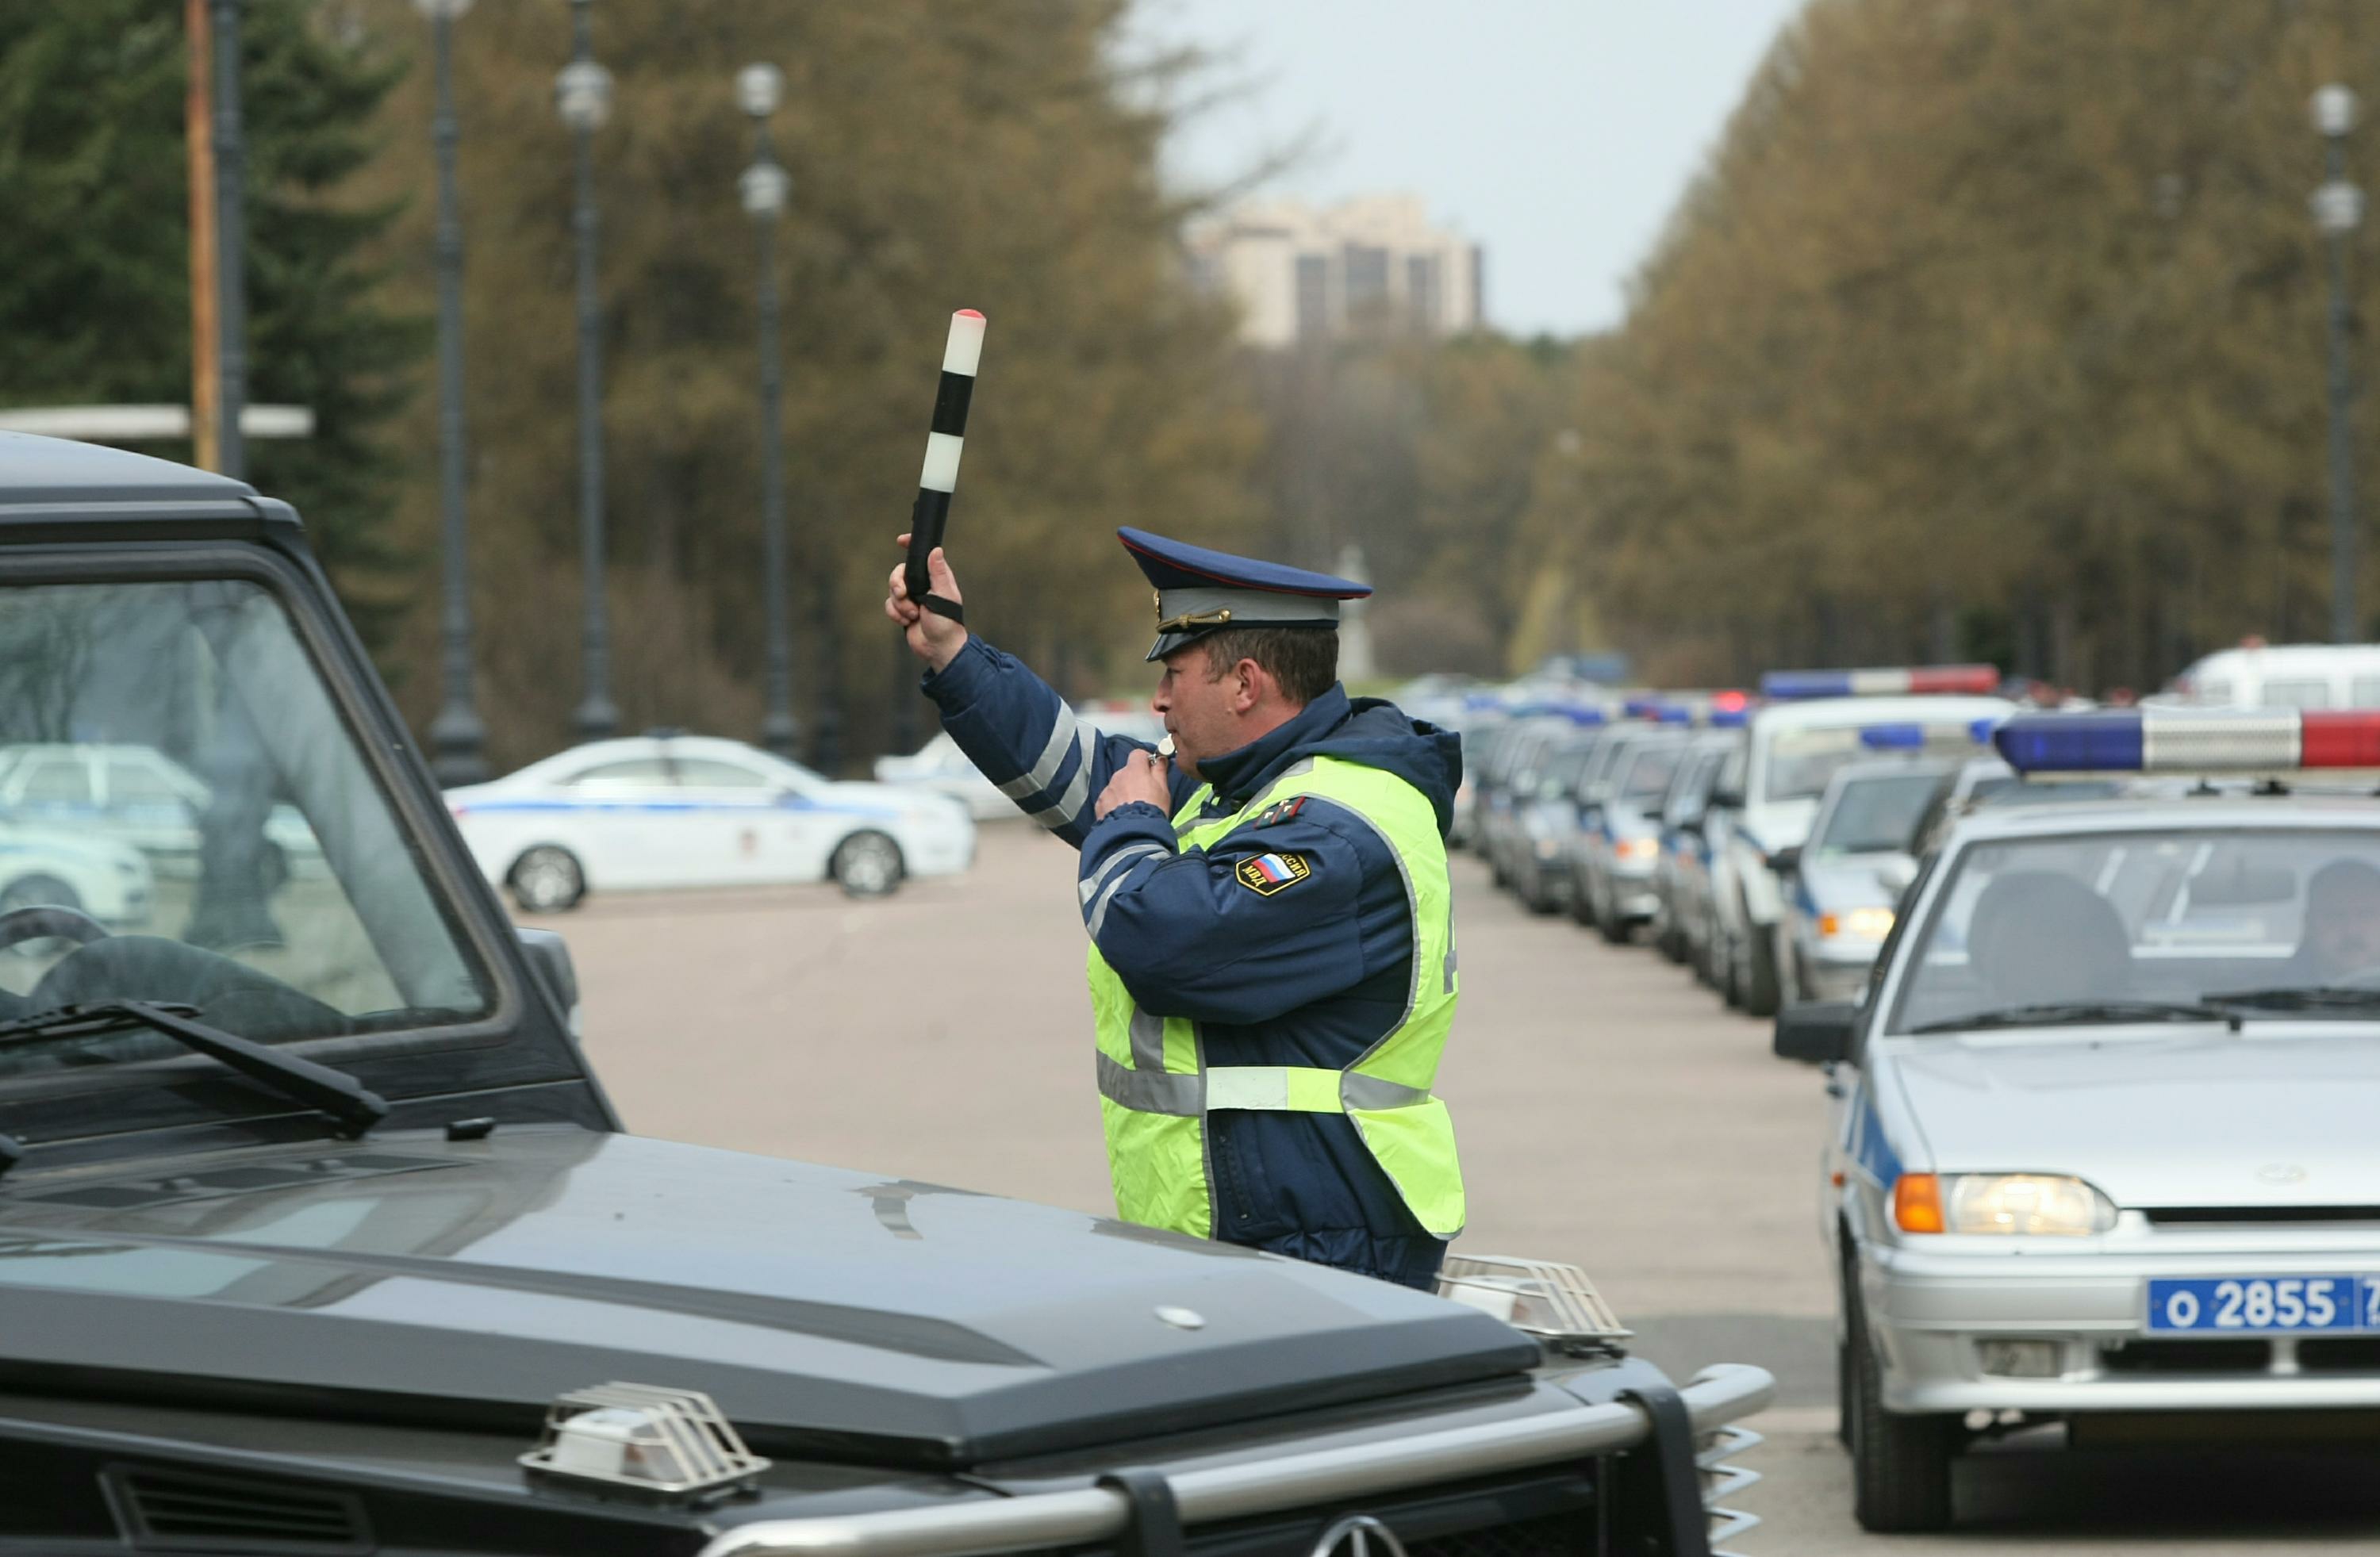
2175	918
185	818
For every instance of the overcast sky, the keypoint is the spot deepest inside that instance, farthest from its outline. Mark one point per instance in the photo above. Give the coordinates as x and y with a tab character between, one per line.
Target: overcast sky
1555	133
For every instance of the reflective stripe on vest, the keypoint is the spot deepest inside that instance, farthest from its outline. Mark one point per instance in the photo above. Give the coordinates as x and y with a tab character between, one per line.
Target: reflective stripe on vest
1154	1087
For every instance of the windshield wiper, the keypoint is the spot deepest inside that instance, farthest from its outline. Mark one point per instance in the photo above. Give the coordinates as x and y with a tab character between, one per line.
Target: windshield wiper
2302	998
2075	1013
355	1107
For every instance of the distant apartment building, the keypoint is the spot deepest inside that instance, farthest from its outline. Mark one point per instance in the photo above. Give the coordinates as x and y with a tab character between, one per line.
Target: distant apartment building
1373	264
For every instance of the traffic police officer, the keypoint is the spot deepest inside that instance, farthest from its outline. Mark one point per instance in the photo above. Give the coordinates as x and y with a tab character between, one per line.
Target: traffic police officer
1272	954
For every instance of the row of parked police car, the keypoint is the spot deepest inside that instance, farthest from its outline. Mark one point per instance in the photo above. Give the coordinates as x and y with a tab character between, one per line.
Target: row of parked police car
2096	994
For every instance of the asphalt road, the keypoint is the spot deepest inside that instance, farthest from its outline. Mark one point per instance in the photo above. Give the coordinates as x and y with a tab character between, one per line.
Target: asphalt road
1611	1113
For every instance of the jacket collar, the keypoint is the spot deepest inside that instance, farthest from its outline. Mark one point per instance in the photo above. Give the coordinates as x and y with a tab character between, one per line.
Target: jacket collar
1239	776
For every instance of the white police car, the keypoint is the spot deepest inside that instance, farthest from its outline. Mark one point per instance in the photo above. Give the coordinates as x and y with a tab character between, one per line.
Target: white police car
1843	884
136	794
2104	1149
658	811
1796	746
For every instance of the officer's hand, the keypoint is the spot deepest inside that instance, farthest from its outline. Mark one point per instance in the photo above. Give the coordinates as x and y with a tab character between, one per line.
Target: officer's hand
1143	776
935	639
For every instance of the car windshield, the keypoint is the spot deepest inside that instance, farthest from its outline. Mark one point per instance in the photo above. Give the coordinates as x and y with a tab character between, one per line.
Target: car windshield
1562	773
1802	762
1875	814
185	816
1649	776
2173	918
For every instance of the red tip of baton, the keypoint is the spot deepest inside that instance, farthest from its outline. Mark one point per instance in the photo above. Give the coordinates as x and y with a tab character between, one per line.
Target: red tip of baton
967	313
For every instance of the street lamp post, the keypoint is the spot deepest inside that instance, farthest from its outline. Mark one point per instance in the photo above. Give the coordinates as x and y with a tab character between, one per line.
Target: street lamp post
2337	210
759	89
583	94
457	737
231	239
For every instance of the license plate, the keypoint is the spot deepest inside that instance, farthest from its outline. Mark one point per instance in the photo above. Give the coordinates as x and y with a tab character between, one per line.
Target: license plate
2263	1305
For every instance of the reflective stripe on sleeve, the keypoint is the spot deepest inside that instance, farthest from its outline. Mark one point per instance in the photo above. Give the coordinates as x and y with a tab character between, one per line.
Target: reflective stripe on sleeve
1114	862
1063	734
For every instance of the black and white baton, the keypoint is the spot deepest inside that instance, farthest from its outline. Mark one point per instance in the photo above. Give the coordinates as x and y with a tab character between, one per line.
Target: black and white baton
944	444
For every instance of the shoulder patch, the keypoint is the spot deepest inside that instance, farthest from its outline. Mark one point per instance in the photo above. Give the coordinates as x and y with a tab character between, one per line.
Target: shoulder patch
1266	874
1281	813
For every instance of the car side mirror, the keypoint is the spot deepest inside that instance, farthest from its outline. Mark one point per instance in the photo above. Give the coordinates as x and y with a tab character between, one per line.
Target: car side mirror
1894	875
1816	1031
1727	800
1691	826
549	957
1786	860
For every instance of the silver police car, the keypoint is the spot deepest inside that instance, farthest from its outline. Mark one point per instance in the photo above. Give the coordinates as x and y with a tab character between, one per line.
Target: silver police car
1842	887
2104	1151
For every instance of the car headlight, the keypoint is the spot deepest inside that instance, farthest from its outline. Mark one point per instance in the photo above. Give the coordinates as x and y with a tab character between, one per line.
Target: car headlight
1637	850
2042	1204
1859	925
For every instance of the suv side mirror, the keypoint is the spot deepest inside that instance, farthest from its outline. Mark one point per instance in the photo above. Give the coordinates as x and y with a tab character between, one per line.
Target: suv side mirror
1786	860
549	957
1817	1033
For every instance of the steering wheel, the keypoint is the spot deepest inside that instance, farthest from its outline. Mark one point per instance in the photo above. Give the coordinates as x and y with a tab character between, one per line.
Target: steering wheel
44	921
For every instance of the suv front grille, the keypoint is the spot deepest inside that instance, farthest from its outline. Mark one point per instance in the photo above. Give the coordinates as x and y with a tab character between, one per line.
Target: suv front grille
1556	1535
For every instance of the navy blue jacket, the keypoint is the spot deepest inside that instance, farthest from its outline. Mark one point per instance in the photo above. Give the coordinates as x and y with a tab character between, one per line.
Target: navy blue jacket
1311	976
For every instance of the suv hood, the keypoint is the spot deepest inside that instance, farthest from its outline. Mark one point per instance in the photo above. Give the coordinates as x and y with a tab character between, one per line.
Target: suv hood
830	1314
2189	1120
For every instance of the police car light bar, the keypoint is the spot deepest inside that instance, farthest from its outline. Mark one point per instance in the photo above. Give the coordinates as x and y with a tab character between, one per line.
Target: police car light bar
1893	737
1917	680
1673	713
1730	718
1642	707
2167	741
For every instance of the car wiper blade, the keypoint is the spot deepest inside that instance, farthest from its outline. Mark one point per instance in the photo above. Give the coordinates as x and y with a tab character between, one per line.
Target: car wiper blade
355	1107
2075	1013
2302	998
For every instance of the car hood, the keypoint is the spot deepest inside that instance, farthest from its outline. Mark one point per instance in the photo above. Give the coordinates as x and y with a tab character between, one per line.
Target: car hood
829	1312
1854	881
1779	824
2188	1118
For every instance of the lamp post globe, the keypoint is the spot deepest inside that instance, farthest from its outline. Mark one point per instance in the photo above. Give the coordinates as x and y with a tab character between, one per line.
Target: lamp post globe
582	94
2333	108
759	90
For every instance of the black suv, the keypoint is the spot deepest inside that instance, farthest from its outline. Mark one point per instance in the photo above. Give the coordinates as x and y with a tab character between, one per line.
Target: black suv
318	1235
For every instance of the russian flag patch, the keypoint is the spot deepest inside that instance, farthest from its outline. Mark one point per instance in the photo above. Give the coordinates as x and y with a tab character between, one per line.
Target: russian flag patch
1266	874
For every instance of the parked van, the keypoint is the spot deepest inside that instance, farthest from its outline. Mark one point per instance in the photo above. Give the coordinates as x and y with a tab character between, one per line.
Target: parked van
2285	676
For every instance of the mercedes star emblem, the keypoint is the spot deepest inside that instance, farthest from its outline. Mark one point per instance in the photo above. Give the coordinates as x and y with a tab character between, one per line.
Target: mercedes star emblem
1354	1535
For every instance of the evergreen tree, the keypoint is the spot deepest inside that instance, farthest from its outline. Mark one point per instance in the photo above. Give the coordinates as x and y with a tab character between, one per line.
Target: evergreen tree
94	300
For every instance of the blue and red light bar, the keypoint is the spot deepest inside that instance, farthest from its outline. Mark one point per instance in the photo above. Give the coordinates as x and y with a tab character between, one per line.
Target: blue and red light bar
1731	719
1642	707
2169	741
1673	713
1915	681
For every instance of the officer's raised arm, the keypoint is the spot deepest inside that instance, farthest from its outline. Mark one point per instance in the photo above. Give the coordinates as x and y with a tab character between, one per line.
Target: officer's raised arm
1010	723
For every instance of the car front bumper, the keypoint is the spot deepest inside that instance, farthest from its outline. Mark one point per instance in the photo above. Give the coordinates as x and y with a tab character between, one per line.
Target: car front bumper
1932	1314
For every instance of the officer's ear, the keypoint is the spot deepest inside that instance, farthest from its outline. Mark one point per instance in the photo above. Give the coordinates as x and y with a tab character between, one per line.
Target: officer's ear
1249	682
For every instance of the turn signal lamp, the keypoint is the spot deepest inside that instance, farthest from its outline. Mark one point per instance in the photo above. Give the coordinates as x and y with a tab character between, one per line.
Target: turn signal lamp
1881	682
1917	1203
666	1445
2248	741
1554	1302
